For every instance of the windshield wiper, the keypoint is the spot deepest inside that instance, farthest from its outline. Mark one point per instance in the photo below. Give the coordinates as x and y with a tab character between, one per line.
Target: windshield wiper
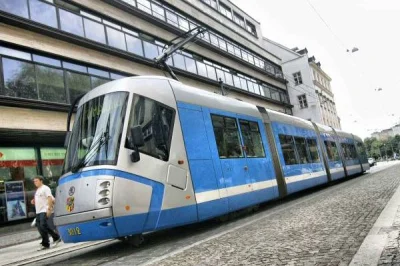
96	146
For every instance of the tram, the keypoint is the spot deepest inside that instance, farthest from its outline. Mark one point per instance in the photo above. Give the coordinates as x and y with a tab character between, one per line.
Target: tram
148	153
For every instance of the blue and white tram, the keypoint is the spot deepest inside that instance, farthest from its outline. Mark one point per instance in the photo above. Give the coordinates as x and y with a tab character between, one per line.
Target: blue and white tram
148	153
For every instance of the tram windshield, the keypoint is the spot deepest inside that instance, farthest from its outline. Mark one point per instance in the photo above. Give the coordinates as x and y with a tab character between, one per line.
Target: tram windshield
97	130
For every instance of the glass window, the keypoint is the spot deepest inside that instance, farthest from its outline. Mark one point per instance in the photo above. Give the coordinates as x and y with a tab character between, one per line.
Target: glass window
98	81
97	130
266	91
301	148
158	11
287	146
52	163
50	83
19	79
150	50
75	67
172	18
18	167
94	31
275	95
230	48
201	68
134	45
244	84
83	13
71	23
237	52
157	126
227	137
179	61
144	5
236	81
205	36
190	65
222	44
46	60
252	139
211	72
15	53
116	38
77	84
256	88
331	150
183	24
99	72
214	40
117	76
228	78
16	7
220	75
43	13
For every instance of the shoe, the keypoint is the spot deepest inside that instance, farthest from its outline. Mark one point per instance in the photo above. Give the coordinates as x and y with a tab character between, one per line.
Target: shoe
56	242
42	248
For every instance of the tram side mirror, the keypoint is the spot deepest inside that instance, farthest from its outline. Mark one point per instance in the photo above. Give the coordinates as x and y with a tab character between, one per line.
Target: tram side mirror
137	136
67	138
136	141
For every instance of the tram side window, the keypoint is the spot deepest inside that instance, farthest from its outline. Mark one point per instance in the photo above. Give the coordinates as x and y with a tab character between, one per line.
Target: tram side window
331	150
252	139
227	137
301	148
313	148
287	145
361	151
156	120
353	152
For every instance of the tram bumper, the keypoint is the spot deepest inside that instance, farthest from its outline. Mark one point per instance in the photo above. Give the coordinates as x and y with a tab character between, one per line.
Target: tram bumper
83	209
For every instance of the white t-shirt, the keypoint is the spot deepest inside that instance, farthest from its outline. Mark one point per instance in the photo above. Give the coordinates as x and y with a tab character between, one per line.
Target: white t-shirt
41	201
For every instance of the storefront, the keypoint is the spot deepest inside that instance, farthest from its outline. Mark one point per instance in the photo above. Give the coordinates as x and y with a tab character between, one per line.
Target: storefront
19	164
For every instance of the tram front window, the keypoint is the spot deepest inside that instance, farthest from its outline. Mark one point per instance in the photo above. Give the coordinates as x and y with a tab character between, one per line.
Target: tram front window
97	130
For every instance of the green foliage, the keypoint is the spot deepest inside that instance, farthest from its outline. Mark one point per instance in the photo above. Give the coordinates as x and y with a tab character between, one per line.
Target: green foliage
381	148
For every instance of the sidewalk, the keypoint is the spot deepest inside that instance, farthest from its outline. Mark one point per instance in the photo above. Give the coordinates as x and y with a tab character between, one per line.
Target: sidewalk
381	245
17	234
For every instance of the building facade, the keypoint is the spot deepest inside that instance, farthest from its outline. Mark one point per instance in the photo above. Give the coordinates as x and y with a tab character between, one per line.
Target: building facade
51	51
387	133
308	85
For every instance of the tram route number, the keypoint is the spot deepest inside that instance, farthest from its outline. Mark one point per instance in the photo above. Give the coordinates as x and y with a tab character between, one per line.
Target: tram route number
74	231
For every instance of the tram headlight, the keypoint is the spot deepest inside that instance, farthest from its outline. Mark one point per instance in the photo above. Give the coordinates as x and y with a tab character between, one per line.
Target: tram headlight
104	193
105	184
104	201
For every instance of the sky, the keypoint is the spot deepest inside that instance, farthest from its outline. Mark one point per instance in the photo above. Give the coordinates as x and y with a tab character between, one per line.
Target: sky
370	25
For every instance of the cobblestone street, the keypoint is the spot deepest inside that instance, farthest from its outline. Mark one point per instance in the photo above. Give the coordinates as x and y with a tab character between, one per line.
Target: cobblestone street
327	230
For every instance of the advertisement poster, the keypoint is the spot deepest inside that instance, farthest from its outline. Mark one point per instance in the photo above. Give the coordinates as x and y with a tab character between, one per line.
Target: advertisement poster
15	198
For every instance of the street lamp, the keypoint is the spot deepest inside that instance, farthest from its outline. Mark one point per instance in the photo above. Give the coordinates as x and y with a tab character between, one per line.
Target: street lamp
355	49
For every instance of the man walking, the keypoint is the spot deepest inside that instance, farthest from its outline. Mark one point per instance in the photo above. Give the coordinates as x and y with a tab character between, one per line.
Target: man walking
44	207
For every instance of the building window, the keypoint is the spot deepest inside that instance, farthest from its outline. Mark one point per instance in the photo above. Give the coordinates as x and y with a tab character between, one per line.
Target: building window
238	19
297	78
251	28
225	10
303	101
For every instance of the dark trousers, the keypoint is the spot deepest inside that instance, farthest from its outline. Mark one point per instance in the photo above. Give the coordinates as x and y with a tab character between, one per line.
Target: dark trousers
44	229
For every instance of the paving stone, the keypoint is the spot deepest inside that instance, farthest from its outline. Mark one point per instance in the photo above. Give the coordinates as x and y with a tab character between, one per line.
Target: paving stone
325	231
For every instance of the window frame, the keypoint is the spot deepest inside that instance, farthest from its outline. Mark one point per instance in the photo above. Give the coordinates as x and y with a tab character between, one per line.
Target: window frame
240	140
172	126
263	155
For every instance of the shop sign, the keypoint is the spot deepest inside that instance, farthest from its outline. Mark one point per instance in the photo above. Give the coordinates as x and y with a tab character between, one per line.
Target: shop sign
15	199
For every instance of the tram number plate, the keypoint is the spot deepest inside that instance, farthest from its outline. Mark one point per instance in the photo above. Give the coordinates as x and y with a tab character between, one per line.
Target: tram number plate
75	231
